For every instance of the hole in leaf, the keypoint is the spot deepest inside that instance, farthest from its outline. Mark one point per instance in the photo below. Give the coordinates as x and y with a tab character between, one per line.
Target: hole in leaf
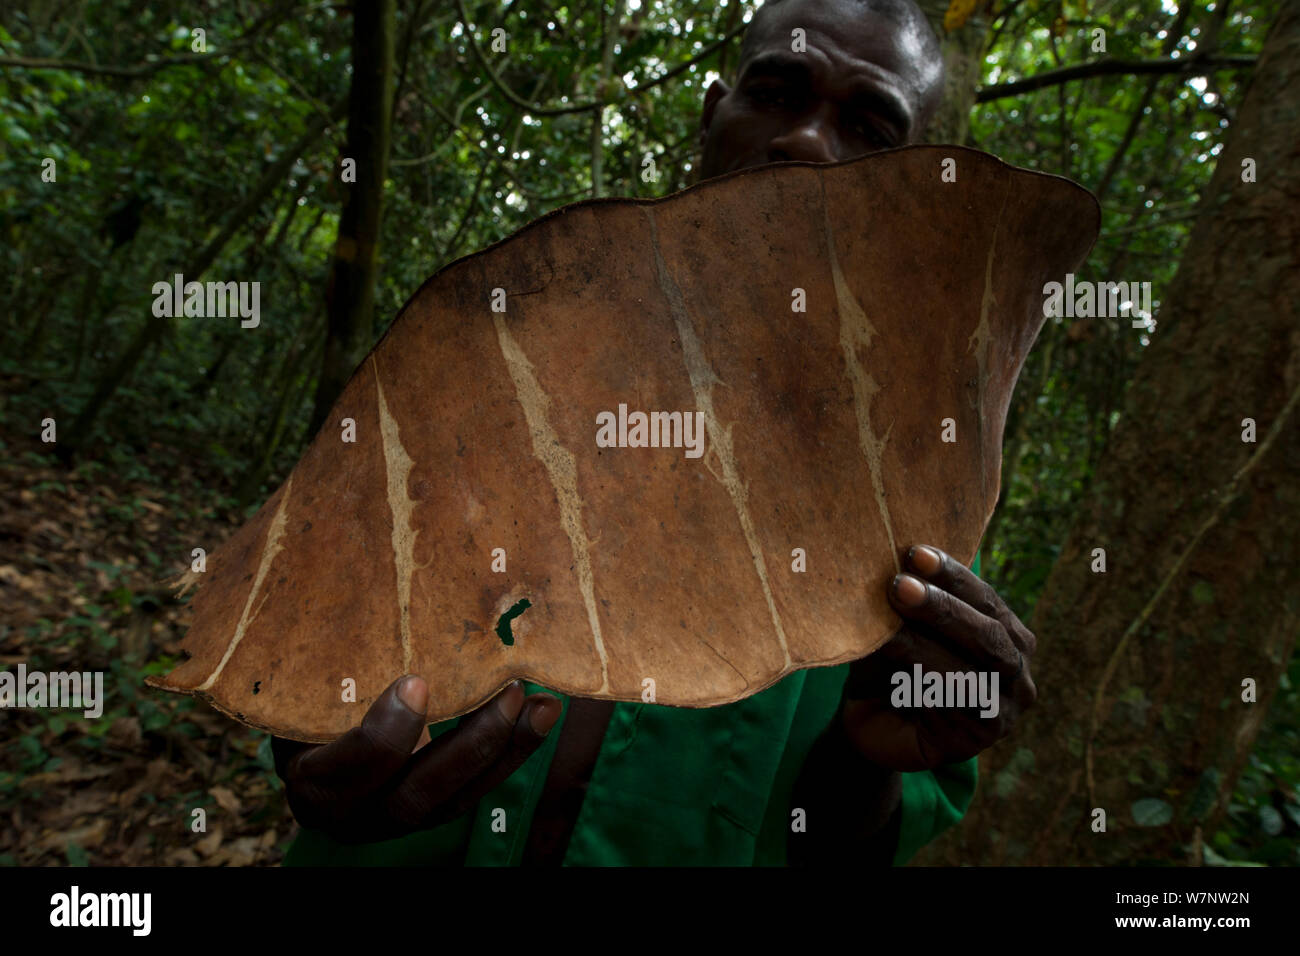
503	625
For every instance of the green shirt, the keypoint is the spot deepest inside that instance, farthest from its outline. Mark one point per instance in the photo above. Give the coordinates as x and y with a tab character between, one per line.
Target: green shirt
671	786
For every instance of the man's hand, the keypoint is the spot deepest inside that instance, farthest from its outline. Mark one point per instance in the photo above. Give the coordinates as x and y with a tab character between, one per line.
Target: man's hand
374	784
953	621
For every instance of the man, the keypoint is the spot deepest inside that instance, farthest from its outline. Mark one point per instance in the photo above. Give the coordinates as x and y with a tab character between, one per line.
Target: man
818	768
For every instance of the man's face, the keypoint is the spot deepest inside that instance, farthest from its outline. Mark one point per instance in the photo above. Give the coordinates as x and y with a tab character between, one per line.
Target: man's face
864	83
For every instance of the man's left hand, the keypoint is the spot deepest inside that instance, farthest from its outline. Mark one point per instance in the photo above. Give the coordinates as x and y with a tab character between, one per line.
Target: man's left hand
952	621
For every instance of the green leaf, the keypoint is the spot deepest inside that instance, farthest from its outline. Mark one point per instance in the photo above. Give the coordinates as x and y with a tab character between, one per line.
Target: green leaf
32	745
1213	859
1202	593
1152	812
265	758
1270	821
1206	792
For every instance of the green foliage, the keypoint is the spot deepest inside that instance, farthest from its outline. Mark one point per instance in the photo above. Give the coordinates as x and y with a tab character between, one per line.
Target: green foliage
1072	387
1152	812
1263	819
150	165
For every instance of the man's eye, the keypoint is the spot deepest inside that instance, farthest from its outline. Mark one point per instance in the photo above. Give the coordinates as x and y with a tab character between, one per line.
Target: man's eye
771	95
872	133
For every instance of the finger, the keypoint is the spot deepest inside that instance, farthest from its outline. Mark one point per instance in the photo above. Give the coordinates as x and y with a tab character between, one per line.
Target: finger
539	716
283	751
454	760
942	570
978	637
424	740
939	568
890	737
366	757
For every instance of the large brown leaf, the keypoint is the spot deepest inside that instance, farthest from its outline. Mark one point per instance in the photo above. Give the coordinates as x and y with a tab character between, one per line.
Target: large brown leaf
476	430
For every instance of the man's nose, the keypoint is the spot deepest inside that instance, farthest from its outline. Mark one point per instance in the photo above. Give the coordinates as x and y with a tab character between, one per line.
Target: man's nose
812	140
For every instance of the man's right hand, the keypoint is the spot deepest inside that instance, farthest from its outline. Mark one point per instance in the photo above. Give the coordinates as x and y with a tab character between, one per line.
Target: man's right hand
373	784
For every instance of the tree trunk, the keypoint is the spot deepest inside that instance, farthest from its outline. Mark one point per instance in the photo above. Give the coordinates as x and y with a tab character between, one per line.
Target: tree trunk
963	60
1140	669
351	296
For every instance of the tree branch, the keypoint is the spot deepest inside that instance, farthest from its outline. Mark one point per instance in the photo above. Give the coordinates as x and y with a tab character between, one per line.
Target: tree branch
142	69
1112	67
708	51
1230	494
531	108
1152	224
609	28
271	17
1172	39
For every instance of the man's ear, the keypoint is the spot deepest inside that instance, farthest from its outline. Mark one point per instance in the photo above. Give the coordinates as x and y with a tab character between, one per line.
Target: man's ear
716	91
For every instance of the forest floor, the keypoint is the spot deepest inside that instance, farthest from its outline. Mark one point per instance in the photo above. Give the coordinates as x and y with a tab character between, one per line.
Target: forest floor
84	554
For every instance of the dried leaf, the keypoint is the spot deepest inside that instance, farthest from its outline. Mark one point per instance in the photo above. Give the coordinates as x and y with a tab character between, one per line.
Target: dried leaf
646	567
239	852
209	844
958	12
88	836
125	732
182	856
226	799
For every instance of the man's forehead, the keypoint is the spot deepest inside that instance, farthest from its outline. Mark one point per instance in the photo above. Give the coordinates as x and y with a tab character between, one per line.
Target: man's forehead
846	29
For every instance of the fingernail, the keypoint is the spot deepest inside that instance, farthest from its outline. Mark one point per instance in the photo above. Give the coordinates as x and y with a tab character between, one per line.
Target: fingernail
542	719
910	591
414	693
926	560
511	701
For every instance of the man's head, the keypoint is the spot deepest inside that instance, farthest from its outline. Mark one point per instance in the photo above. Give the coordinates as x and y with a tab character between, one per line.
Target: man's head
871	77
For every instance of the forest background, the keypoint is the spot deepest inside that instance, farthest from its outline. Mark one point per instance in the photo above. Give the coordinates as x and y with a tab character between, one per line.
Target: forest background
207	139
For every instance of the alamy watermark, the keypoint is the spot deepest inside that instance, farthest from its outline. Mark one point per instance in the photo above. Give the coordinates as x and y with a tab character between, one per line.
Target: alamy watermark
923	688
208	299
78	690
652	430
74	908
1088	300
